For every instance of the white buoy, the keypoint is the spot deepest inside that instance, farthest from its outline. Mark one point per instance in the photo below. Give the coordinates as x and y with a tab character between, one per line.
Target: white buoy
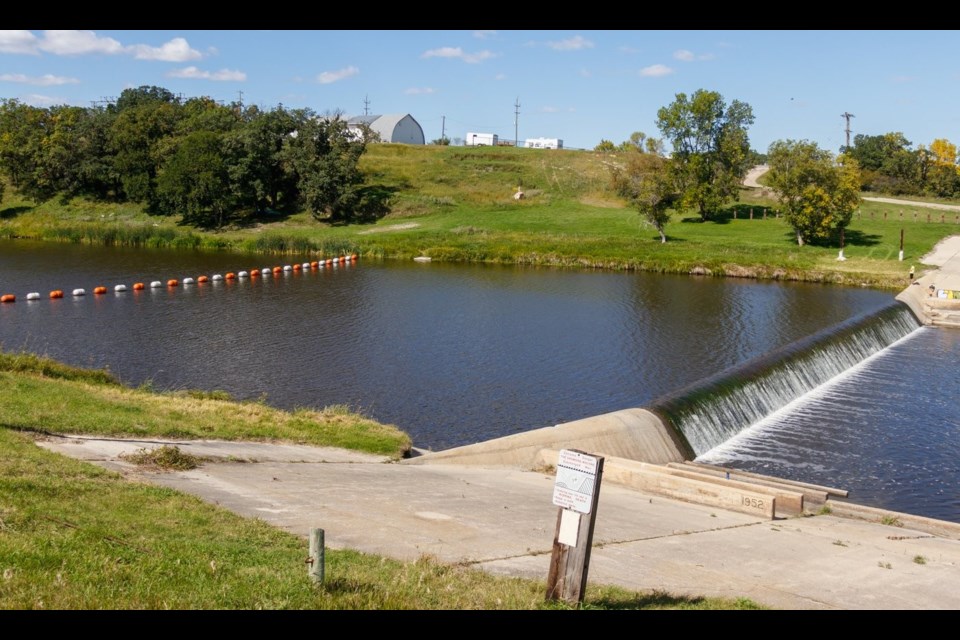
266	271
242	274
33	296
188	281
156	284
79	292
305	265
287	267
217	277
120	287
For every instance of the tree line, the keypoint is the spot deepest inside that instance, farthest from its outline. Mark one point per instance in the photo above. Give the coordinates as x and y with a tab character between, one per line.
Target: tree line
890	164
197	158
710	157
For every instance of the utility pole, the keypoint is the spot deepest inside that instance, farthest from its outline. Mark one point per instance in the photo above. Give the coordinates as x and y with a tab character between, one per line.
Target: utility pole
366	106
443	128
847	116
240	98
516	119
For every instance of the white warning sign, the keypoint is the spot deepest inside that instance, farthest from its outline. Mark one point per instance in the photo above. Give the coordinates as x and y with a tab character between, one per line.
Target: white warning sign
576	481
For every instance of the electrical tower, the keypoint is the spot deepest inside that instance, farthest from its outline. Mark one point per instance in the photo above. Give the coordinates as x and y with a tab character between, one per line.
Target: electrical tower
516	119
847	116
366	106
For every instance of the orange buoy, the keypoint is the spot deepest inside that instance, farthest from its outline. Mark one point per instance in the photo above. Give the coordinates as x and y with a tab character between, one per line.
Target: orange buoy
172	282
254	273
354	256
99	291
314	264
9	297
329	261
137	286
297	267
278	269
343	259
202	278
56	293
230	276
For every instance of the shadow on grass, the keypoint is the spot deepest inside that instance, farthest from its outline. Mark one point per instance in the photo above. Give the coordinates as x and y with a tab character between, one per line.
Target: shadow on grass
659	600
13	212
374	204
851	237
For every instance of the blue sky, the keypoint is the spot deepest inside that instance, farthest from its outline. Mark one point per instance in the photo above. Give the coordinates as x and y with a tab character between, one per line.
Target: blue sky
580	86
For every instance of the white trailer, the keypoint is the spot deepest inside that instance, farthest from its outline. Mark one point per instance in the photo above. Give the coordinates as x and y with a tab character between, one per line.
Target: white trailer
481	139
543	143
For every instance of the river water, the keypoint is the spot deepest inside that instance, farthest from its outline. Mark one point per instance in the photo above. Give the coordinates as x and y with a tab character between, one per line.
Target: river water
455	354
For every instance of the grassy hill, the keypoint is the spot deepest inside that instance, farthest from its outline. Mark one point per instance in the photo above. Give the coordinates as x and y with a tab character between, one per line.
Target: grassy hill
457	204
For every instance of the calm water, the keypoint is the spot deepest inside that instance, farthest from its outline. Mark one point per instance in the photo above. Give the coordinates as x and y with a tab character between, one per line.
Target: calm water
452	354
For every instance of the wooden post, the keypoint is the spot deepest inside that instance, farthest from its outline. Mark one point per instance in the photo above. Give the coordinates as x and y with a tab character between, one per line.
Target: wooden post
315	560
570	563
901	244
751	213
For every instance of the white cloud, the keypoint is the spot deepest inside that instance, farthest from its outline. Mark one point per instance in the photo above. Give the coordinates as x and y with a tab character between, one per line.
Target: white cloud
416	91
500	76
484	33
571	44
37	100
46	80
655	71
223	75
683	54
457	52
18	41
549	110
626	49
72	43
177	50
332	76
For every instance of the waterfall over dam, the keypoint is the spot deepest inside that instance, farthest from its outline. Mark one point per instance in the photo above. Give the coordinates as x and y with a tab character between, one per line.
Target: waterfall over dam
711	411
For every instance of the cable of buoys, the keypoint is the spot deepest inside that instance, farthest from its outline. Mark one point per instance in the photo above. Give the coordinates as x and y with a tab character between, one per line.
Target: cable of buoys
202	279
266	271
33	295
99	291
56	293
172	282
314	264
8	297
231	276
120	288
156	284
242	274
188	281
137	286
217	277
79	292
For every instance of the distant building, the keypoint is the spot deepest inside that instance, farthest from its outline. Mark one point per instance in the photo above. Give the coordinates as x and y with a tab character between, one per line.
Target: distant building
481	140
543	143
397	127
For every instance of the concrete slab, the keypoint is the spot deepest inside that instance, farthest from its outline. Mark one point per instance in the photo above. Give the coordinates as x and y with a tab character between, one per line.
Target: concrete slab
502	520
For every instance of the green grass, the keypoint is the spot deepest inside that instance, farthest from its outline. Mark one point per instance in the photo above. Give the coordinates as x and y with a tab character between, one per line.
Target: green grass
40	395
75	536
457	205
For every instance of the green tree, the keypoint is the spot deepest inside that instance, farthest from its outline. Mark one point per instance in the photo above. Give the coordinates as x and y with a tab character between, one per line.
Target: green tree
22	131
646	181
326	155
711	149
260	174
818	193
443	141
605	146
194	180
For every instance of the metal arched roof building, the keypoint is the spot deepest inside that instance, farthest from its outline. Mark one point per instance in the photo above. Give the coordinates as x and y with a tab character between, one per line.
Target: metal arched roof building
396	127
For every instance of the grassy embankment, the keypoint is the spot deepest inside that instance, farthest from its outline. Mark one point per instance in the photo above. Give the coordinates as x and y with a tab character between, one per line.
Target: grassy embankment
75	536
456	204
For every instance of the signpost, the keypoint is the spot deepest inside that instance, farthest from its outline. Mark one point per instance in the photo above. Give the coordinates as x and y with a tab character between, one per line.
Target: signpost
577	492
